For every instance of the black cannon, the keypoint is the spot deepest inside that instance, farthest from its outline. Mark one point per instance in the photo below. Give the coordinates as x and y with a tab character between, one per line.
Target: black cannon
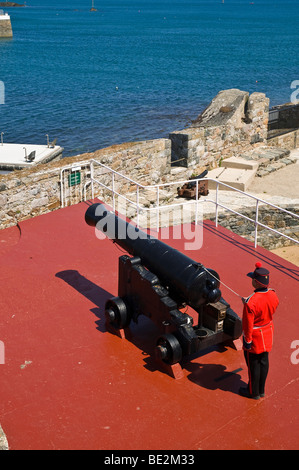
157	281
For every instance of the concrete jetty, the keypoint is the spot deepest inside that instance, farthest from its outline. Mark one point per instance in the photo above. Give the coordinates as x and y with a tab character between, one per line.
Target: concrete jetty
17	156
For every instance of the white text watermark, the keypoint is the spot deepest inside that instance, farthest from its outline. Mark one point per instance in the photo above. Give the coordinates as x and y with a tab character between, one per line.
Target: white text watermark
175	223
2	353
2	92
295	354
295	94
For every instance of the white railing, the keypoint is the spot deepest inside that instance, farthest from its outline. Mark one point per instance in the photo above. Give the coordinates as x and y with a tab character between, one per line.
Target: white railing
76	192
158	207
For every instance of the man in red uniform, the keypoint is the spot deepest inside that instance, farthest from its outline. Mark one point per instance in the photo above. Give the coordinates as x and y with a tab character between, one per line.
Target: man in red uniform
258	331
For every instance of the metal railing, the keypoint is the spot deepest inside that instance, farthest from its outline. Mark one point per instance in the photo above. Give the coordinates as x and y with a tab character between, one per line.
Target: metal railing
74	180
198	200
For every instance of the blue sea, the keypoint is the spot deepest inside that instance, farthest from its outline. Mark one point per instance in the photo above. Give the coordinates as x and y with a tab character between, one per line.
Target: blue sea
138	69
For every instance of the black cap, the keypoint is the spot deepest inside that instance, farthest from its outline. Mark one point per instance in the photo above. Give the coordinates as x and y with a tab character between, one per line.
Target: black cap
261	275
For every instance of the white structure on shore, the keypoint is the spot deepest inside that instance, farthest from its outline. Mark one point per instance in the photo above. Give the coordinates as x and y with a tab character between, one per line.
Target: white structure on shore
19	156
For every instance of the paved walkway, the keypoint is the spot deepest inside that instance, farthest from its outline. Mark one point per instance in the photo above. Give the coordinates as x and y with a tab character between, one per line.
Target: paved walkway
283	183
279	188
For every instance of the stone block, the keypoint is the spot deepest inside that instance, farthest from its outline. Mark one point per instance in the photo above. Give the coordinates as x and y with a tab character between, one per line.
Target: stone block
41	202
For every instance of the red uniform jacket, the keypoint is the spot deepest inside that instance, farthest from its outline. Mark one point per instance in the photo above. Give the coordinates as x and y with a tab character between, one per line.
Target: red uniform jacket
257	319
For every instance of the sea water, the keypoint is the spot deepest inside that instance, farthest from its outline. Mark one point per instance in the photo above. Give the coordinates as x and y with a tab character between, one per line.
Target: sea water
137	69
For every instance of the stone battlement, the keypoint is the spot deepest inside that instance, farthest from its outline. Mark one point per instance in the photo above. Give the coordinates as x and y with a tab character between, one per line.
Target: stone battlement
232	123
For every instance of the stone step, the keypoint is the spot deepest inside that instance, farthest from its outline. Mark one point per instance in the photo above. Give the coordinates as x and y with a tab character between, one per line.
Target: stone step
266	154
238	178
241	163
294	154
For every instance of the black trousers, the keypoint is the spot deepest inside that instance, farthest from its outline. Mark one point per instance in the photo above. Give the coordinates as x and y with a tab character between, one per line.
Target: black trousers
258	367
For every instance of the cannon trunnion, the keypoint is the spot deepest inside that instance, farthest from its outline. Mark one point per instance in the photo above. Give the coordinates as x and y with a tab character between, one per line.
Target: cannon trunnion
157	281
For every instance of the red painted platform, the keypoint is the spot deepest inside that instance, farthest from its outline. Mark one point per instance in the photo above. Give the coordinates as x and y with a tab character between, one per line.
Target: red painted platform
67	383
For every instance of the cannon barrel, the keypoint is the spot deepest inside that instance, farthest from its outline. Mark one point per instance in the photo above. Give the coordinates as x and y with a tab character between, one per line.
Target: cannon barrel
187	280
202	175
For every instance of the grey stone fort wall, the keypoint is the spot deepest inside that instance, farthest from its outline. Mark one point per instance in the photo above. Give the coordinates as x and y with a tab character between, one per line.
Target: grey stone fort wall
233	123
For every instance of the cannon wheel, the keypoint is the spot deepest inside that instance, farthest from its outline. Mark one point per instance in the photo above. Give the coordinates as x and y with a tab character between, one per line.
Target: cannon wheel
168	349
116	312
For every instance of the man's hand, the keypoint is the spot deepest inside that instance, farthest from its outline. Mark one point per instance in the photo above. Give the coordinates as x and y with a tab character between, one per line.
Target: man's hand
246	345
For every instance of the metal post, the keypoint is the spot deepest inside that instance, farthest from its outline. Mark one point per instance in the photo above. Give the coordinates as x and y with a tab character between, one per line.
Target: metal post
158	208
113	194
256	222
196	209
61	188
91	178
137	202
217	187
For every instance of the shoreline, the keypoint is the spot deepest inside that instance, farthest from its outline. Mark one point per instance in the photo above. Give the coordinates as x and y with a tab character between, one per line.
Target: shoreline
11	5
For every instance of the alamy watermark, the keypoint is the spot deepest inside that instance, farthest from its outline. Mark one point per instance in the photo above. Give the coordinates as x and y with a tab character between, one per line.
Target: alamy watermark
295	354
2	92
2	353
295	94
175	223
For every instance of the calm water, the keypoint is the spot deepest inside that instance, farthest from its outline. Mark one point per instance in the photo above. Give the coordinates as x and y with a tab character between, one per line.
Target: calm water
137	69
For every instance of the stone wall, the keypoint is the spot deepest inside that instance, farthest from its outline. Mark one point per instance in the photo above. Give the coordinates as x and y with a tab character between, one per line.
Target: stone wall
271	217
35	191
289	140
288	117
233	123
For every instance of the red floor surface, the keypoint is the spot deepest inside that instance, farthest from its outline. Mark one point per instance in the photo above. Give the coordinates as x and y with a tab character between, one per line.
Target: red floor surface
67	383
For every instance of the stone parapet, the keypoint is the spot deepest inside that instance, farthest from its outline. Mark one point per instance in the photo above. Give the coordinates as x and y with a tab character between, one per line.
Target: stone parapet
35	191
286	140
233	122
